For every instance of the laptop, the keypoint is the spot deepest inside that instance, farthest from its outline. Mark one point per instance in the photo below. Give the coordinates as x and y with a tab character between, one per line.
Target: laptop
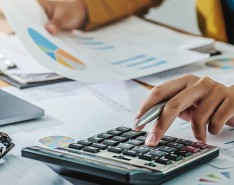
13	109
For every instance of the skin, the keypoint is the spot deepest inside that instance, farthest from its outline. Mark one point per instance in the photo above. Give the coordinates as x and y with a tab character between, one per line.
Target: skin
64	15
201	101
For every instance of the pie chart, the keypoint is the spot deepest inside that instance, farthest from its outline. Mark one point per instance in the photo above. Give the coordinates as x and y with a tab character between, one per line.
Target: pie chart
54	52
224	63
56	141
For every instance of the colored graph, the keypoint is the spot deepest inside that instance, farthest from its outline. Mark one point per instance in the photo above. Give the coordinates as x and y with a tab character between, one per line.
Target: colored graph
93	43
140	62
55	52
219	178
225	63
56	141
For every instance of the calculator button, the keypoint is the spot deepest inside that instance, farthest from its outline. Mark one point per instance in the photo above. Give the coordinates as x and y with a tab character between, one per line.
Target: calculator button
174	157
163	143
175	145
85	143
141	138
123	129
166	149
191	149
126	146
130	153
122	157
100	146
200	145
150	164
133	134
169	138
115	150
91	149
114	132
146	157
96	139
184	142
141	149
76	146
135	142
105	136
120	139
110	142
183	153
157	153
163	161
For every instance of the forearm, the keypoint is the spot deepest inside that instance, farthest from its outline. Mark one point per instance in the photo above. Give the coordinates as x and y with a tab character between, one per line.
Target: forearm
102	12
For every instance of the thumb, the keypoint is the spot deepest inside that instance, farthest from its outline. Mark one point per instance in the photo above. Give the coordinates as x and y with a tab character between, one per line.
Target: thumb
56	21
53	26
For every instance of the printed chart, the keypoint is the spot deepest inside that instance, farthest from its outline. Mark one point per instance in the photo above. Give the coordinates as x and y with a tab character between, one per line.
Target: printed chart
56	141
219	178
225	63
55	52
140	62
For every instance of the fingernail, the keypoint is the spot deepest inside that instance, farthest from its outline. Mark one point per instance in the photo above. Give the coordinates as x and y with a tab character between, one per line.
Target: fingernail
151	139
202	141
135	123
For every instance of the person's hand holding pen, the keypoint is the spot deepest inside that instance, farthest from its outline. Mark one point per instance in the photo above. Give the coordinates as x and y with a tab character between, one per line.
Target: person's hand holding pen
64	15
201	101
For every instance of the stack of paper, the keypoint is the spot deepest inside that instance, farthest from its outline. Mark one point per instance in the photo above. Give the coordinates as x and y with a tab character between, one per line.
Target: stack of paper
26	71
128	49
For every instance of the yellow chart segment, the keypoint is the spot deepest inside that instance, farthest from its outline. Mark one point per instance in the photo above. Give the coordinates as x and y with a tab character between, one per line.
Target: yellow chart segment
61	55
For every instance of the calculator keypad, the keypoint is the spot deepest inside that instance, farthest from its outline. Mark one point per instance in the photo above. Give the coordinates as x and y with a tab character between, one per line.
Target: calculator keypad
125	144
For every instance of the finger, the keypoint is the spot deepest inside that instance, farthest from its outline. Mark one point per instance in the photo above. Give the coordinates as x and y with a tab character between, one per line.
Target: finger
165	91
188	113
172	109
57	20
206	107
224	113
230	122
47	6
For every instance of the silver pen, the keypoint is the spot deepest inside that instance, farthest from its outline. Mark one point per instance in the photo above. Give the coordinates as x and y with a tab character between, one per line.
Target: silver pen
151	114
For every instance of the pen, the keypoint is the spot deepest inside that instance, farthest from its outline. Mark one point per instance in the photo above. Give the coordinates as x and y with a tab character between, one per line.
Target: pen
151	114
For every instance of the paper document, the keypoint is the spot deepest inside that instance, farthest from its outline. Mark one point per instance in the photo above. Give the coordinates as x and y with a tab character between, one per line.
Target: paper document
19	171
219	68
128	49
27	69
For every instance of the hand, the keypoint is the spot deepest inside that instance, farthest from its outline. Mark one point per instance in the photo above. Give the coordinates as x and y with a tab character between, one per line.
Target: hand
67	15
201	101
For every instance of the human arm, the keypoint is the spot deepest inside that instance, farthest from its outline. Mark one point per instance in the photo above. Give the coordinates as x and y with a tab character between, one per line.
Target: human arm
90	14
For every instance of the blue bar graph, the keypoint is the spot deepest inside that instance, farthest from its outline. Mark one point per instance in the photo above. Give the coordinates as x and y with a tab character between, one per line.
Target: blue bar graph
154	65
142	62
129	59
104	48
93	43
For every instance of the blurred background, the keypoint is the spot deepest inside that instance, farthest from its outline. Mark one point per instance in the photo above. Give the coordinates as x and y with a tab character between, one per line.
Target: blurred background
177	13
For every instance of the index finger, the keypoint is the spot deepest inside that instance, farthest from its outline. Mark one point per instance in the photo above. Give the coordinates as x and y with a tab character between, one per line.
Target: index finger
172	110
163	92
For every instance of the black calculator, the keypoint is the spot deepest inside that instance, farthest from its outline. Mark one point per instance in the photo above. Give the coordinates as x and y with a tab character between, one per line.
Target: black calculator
120	156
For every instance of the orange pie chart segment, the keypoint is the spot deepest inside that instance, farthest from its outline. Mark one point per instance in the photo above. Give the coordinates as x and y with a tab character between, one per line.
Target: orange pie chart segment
55	52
